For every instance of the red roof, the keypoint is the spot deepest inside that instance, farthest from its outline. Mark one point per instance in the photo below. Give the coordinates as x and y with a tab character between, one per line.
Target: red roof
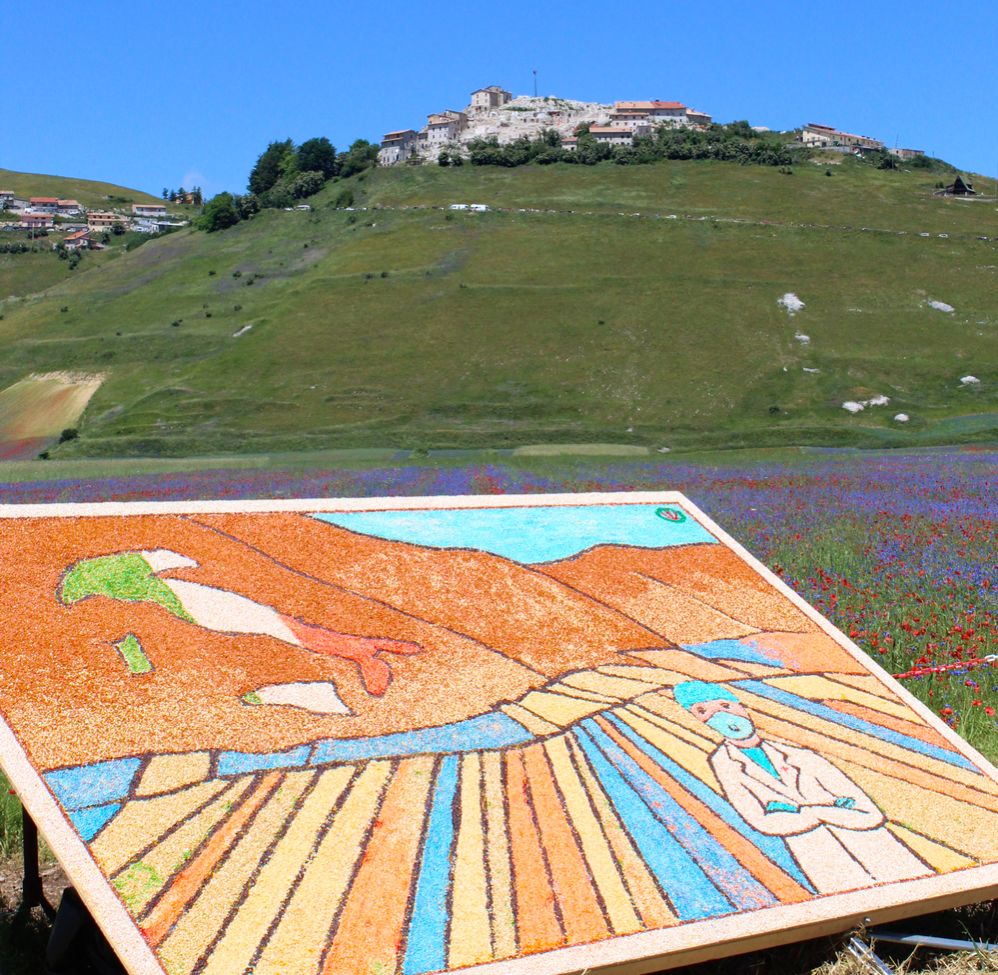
32	217
393	135
44	199
78	235
68	203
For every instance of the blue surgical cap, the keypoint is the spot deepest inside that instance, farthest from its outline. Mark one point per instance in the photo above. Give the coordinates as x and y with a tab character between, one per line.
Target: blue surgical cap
700	692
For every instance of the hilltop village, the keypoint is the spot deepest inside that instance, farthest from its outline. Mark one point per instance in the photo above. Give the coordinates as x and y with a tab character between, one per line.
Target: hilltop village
493	113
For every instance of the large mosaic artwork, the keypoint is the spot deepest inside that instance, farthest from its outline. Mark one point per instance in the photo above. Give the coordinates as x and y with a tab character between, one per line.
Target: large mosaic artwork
533	734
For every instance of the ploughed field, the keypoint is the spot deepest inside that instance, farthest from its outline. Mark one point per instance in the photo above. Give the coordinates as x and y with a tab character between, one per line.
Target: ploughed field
610	304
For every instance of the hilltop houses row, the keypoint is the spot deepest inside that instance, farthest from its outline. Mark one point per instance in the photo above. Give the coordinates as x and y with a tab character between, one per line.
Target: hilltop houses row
826	137
39	214
493	112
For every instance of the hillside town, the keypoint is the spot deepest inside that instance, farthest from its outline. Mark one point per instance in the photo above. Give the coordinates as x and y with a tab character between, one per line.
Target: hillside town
82	228
493	113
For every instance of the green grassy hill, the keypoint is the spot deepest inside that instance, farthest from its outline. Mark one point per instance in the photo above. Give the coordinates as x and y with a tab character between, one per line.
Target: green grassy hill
407	326
86	191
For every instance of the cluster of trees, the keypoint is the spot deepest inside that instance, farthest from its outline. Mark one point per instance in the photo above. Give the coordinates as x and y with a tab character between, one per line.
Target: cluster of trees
285	173
735	142
193	195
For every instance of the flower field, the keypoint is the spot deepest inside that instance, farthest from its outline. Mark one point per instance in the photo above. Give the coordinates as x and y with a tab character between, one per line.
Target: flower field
897	548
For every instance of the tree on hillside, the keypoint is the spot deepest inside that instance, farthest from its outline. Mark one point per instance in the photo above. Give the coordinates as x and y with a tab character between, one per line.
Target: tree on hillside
220	213
360	156
305	184
268	168
317	155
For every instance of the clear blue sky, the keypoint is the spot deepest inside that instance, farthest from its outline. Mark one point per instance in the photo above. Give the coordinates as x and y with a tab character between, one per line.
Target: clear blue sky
151	95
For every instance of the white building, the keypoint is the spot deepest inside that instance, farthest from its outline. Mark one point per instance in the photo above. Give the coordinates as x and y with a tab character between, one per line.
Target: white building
442	127
618	135
148	210
817	135
397	146
671	113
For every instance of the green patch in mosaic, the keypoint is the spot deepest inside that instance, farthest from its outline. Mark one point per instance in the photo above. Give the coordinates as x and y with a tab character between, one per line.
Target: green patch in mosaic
138	881
131	650
127	577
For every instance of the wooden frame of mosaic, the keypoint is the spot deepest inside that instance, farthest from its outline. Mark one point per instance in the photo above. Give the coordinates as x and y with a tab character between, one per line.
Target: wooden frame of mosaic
532	735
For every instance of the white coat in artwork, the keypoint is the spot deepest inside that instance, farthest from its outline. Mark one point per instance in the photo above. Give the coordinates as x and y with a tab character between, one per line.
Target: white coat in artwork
836	832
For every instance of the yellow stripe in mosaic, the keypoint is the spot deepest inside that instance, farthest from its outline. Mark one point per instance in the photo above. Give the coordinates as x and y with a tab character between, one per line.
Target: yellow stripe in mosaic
139	882
620	688
558	709
202	920
651	905
141	821
301	935
579	694
825	730
687	735
818	688
937	855
470	926
166	773
500	868
235	950
693	759
595	847
534	724
962	826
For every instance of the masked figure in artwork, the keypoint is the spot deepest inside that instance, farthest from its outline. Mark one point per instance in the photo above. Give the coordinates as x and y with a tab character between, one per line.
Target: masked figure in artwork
833	828
138	577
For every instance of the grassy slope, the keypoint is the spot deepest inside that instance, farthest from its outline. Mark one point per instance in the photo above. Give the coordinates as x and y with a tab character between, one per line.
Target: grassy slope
86	191
508	328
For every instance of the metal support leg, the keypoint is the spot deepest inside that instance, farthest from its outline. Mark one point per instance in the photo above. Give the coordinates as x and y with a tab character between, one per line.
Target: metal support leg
928	941
32	892
867	957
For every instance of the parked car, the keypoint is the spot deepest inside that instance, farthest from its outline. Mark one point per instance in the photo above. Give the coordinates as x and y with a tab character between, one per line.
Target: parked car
458	206
480	207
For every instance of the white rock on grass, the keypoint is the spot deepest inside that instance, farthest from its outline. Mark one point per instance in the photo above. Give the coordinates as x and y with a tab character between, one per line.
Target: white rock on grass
969	380
942	306
791	303
902	417
241	331
852	406
879	400
802	338
808	369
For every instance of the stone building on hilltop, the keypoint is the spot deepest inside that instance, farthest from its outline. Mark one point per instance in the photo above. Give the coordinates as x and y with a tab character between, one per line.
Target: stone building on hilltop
491	97
824	136
398	146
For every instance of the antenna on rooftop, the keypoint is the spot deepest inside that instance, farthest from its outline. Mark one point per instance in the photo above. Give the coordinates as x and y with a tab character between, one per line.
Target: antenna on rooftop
535	82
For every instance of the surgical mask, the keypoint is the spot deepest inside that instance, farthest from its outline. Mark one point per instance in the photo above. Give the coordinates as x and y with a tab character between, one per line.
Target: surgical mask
730	725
